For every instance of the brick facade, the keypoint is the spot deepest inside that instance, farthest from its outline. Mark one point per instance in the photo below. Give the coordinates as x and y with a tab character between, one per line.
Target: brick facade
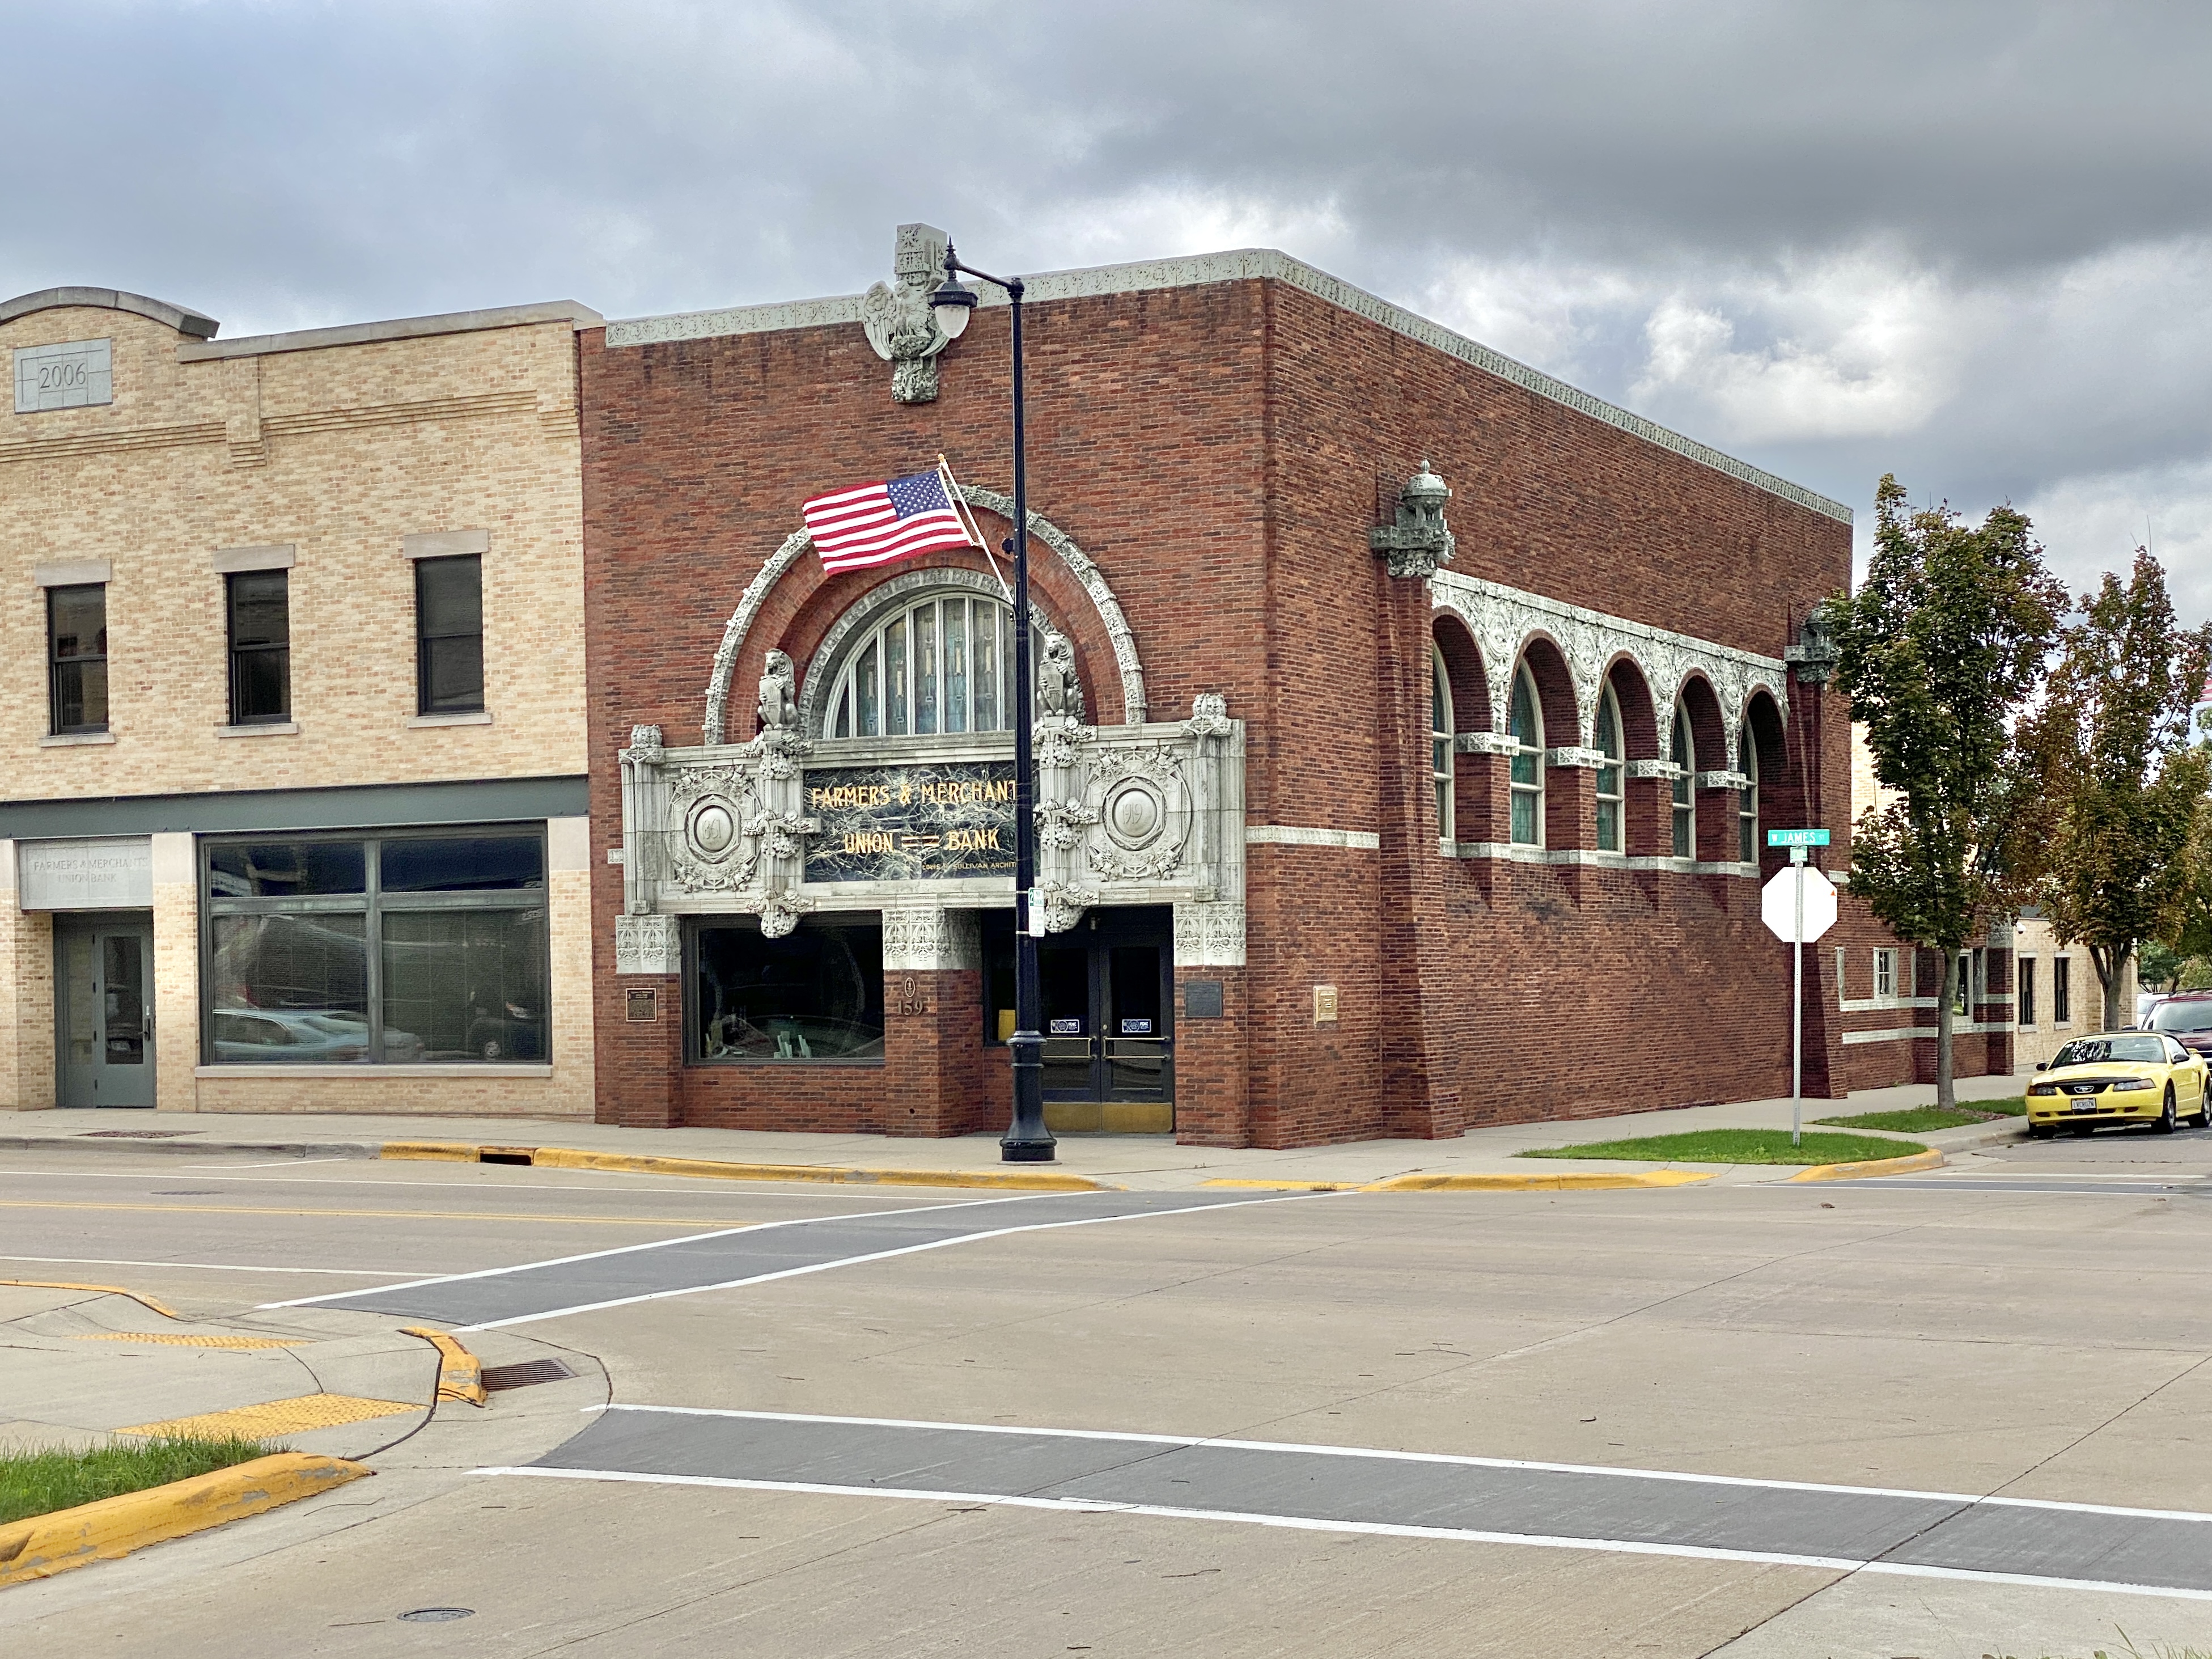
1220	449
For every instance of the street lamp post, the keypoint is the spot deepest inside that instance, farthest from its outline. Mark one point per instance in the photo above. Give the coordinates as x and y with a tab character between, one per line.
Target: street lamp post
1026	1141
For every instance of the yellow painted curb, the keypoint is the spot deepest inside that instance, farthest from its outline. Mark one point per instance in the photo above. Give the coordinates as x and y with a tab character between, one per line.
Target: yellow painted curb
460	1373
105	1290
574	1158
1563	1181
1293	1186
48	1544
1875	1166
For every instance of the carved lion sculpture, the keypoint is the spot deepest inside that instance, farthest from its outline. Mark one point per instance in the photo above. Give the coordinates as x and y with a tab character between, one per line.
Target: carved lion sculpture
779	707
1058	690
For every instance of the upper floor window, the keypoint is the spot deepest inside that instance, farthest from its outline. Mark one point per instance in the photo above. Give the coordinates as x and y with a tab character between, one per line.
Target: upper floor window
1885	973
2025	973
260	621
1440	740
1684	757
1609	775
1747	799
449	636
1524	723
942	663
2062	990
76	658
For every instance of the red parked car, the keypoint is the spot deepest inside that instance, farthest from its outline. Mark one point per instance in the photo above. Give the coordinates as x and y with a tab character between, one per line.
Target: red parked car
2186	1017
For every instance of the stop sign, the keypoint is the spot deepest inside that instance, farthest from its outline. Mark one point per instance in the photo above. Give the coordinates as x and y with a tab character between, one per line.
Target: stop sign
1777	904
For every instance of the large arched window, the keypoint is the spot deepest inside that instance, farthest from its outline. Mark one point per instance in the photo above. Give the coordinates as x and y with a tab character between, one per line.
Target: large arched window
1685	757
1440	741
1524	723
1747	800
940	663
1609	775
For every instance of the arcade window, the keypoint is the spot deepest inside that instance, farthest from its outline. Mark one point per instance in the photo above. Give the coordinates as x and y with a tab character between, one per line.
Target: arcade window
76	658
449	636
406	947
1747	804
1440	741
1684	757
1609	775
258	605
1524	723
814	996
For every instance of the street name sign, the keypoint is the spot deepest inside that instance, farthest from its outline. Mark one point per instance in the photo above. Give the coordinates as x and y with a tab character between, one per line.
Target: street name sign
1797	838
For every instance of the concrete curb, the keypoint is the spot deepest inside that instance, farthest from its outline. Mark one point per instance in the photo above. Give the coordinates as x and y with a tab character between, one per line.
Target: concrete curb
572	1157
1878	1166
460	1373
1563	1181
48	1544
142	1300
275	1148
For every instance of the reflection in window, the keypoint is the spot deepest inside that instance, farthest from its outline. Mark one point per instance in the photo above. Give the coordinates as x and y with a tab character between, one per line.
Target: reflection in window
815	994
466	984
1609	774
1684	757
1524	723
937	664
1440	741
393	949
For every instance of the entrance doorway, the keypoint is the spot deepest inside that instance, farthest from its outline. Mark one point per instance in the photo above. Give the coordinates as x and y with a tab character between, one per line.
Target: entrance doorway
104	1010
1108	991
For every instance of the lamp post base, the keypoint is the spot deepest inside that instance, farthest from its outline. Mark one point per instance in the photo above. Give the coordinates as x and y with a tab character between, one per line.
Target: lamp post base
1011	1151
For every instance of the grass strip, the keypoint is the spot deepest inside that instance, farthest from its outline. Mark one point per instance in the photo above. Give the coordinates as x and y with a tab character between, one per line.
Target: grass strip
1737	1146
34	1483
1913	1120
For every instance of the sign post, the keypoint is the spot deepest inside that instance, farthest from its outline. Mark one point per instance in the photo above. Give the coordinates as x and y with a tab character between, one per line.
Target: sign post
1798	905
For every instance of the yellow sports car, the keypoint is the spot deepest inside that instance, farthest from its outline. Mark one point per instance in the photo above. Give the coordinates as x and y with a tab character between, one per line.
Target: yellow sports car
2119	1077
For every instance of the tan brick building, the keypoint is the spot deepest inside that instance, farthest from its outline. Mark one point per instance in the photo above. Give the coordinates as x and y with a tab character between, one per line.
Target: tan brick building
292	722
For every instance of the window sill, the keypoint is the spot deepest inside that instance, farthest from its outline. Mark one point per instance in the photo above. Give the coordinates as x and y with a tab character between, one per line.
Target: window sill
73	740
263	729
249	1069
468	717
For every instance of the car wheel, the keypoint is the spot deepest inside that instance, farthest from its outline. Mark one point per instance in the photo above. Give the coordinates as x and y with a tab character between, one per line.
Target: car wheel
2204	1110
2166	1120
490	1050
2082	1131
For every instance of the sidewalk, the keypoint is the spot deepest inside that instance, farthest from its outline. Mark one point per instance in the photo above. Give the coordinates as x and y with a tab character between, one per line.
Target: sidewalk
1136	1161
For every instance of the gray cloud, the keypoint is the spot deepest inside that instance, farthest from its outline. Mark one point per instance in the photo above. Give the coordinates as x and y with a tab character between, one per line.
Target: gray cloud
1971	242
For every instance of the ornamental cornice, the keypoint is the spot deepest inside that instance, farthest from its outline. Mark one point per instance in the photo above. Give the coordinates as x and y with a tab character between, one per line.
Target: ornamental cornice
1503	620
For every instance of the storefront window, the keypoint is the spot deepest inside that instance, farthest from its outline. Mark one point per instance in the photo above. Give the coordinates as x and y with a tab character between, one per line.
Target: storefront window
388	949
816	994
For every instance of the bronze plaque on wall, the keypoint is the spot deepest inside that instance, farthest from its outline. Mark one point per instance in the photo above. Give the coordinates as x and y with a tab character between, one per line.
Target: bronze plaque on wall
910	823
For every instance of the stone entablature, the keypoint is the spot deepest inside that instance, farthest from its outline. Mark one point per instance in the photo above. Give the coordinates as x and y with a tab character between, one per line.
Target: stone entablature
1503	620
1142	814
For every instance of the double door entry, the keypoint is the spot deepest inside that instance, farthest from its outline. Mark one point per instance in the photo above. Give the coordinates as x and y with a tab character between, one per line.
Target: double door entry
1109	999
104	1010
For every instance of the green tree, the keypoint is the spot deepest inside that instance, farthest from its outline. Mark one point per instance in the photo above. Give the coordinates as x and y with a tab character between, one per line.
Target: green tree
2160	965
2123	785
1941	648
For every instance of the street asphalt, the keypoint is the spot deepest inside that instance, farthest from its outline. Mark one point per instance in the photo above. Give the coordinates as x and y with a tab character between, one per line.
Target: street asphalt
1957	1413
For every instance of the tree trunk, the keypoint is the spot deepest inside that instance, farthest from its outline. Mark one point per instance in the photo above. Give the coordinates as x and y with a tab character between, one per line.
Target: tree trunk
2109	964
1947	1094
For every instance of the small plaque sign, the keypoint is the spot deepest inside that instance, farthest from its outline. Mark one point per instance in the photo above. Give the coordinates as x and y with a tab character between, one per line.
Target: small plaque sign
74	375
1136	1028
644	1004
1324	1005
1068	1027
911	823
1201	998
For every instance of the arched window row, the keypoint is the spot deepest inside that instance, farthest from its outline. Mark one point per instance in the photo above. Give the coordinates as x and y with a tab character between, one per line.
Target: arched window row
1685	760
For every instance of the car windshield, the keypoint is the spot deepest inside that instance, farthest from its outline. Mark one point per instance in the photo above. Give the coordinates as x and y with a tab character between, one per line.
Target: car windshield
2191	1016
2096	1051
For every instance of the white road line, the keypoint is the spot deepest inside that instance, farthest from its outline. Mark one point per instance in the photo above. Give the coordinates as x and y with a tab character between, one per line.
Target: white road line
842	1261
1419	1457
751	1190
630	1250
212	1266
1372	1528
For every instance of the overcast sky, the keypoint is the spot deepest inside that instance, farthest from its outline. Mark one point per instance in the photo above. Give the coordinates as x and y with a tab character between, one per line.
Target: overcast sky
1969	243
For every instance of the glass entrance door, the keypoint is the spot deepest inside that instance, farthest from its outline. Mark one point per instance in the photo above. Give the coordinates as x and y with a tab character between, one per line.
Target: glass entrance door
1109	1054
104	1011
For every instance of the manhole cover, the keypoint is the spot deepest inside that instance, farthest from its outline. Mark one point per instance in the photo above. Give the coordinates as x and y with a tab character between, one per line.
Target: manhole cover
134	1134
521	1376
437	1615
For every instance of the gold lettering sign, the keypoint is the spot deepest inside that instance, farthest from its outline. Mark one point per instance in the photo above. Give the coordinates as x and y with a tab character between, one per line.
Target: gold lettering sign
925	821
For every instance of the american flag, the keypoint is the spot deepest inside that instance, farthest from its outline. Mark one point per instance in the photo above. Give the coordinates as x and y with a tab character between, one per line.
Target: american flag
879	523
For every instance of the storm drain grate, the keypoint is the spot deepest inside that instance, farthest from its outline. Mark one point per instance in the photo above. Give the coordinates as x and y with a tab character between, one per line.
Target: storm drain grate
497	1378
134	1134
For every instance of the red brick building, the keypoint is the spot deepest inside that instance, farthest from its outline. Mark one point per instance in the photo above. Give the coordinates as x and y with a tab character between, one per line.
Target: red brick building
1410	722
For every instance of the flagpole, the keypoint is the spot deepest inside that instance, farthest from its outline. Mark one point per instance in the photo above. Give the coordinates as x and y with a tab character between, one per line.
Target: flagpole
1027	1140
967	516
